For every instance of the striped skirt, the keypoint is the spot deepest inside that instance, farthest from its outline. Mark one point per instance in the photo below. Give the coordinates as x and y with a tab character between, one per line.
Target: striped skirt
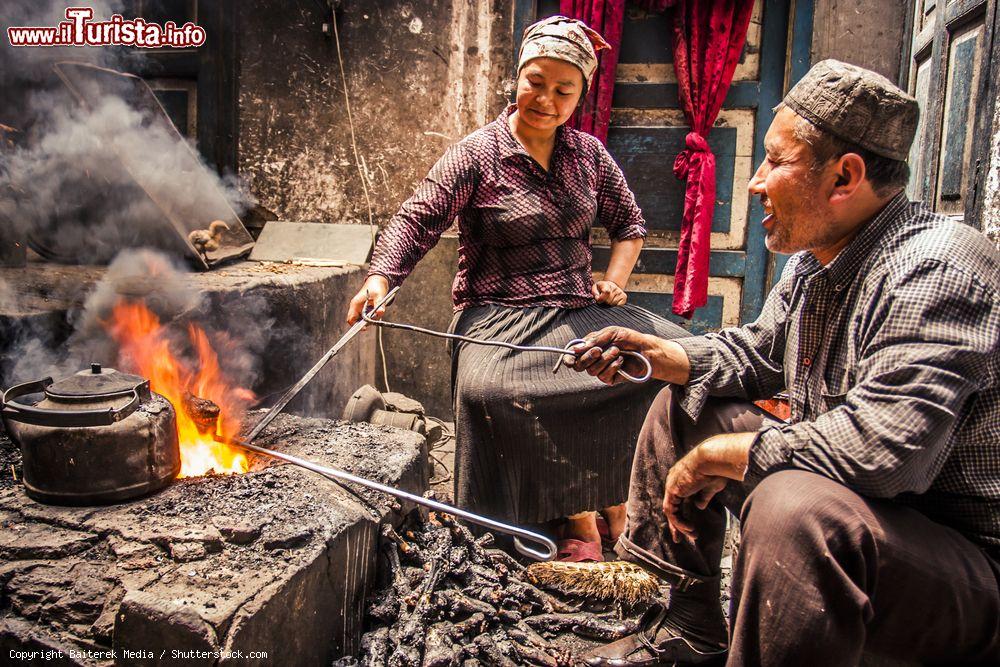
532	445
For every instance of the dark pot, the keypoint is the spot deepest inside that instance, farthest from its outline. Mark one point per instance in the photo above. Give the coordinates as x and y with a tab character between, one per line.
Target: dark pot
96	437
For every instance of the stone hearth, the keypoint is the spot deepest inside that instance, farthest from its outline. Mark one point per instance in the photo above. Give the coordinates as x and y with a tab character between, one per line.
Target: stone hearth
302	314
276	561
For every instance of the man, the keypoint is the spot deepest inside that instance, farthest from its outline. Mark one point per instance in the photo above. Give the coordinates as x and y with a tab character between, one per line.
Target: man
870	521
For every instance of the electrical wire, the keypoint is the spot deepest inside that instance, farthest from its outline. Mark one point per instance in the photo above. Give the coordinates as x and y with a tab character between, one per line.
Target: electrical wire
361	173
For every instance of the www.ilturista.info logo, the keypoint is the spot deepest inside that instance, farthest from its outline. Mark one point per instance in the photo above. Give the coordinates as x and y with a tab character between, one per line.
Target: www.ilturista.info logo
79	30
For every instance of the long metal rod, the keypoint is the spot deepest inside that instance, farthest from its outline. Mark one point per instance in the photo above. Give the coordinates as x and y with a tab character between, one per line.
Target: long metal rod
567	350
330	354
548	545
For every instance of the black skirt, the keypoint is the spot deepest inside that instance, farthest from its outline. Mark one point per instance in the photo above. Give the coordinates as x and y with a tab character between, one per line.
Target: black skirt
532	445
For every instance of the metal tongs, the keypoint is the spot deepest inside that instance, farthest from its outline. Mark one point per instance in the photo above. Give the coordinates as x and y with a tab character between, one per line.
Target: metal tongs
548	552
520	535
366	315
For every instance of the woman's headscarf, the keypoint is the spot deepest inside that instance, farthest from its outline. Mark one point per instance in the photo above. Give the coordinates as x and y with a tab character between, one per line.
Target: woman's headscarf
565	39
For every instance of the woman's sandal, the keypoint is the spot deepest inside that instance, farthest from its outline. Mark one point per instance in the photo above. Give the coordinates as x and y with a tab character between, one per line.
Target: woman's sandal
578	551
605	532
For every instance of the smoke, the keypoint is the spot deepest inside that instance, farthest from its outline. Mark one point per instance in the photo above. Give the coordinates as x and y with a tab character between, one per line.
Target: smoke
76	185
237	325
29	337
70	185
31	68
141	275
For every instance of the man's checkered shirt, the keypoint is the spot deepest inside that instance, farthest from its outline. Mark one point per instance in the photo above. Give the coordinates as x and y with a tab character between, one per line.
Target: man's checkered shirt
891	358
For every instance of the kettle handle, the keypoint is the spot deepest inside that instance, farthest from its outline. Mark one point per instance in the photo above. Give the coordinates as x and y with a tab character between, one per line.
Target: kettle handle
27	414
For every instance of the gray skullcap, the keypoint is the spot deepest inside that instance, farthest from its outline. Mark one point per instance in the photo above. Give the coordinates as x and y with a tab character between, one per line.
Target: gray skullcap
857	105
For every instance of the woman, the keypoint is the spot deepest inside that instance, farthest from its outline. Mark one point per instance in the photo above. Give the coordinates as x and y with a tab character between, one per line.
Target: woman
533	446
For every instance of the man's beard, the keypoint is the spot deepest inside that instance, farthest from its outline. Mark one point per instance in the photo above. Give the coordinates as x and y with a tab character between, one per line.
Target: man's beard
820	234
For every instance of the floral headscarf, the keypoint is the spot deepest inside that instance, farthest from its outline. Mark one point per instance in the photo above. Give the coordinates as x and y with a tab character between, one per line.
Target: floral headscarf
565	39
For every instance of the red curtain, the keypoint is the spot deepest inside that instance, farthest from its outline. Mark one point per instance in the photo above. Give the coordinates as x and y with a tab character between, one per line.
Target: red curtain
606	17
708	40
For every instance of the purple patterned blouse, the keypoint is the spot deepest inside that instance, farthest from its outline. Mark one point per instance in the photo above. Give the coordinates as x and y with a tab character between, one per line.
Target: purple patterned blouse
524	233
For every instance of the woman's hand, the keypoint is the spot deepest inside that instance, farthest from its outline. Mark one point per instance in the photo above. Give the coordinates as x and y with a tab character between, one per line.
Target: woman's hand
606	291
373	291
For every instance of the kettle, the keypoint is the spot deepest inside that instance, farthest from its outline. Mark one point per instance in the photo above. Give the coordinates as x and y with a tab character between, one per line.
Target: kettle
98	436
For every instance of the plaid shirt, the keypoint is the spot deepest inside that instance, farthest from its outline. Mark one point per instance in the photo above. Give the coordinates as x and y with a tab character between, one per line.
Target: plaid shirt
891	358
524	233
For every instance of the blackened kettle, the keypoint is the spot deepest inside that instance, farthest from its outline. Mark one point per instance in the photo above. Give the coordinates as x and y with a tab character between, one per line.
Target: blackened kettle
98	436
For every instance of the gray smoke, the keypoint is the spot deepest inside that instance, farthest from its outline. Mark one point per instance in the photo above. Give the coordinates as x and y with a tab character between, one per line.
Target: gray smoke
78	181
32	67
29	338
236	325
139	275
71	180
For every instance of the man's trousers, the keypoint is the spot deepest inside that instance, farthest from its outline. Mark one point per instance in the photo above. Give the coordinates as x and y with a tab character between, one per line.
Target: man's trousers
822	573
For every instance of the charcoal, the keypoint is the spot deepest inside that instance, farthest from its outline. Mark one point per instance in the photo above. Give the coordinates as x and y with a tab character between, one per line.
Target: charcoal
438	648
469	627
583	624
459	605
533	656
490	653
203	412
499	557
375	647
451	599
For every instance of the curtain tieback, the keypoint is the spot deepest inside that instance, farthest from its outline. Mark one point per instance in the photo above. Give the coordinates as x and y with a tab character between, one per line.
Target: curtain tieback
695	144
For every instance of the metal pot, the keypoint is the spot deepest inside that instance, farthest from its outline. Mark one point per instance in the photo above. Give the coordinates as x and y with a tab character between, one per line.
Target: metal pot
98	436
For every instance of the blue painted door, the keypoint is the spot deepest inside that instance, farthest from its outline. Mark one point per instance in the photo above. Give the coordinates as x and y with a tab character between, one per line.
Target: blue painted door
648	130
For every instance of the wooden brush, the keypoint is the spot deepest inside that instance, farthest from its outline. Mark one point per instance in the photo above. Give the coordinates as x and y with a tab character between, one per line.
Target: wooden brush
624	583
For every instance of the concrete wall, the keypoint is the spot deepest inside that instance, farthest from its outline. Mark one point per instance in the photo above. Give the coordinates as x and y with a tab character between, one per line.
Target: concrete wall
420	75
991	203
869	33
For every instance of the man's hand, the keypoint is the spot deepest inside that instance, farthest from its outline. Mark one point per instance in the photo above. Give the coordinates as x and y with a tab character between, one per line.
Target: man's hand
701	474
601	356
608	292
687	479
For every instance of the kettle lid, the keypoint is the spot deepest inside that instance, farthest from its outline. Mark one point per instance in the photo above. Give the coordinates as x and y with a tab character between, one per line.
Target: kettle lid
95	382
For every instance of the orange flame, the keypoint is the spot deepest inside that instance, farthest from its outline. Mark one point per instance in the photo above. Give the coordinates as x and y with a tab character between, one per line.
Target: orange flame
143	346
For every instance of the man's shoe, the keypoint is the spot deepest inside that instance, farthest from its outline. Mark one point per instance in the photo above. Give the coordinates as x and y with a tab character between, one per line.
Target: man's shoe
656	643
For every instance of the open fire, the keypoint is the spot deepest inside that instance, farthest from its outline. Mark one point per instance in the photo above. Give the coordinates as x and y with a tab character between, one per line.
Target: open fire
144	347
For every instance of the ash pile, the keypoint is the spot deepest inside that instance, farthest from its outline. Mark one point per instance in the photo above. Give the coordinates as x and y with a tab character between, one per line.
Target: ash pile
450	598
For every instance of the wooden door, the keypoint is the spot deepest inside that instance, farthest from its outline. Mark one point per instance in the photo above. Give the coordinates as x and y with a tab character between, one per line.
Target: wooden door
648	130
947	69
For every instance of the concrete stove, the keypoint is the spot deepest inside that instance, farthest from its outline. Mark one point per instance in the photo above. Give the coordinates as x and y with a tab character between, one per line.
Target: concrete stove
269	567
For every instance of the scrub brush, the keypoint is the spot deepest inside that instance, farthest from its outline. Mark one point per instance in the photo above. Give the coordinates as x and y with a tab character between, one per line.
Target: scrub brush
624	583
